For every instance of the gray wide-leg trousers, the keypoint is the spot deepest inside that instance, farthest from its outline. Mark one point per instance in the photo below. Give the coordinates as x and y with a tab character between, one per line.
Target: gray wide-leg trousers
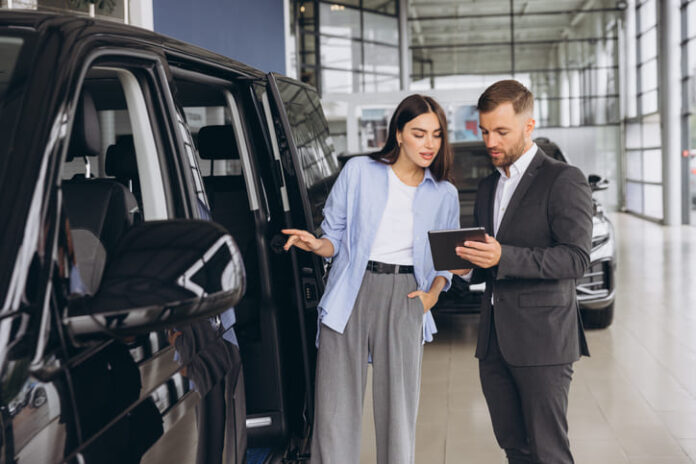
388	325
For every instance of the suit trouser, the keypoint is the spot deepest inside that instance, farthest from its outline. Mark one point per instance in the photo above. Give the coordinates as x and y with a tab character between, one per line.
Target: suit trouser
388	325
528	407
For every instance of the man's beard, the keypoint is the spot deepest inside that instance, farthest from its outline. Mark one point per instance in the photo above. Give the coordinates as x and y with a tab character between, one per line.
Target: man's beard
509	157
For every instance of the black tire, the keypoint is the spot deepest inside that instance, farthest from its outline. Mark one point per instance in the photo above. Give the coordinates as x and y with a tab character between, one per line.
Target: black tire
598	318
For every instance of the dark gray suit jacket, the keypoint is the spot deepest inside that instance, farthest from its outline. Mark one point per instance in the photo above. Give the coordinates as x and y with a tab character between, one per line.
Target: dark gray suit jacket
545	235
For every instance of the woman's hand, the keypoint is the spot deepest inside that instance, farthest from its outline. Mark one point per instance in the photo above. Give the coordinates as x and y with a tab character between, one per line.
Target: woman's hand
302	240
429	299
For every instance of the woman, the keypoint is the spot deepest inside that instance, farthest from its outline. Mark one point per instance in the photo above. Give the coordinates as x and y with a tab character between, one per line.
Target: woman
382	284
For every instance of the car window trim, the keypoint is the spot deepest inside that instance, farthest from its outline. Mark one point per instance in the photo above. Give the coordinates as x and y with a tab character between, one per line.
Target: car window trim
150	172
78	83
276	151
243	147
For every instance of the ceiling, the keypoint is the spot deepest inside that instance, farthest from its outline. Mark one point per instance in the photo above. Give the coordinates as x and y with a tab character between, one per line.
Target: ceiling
476	36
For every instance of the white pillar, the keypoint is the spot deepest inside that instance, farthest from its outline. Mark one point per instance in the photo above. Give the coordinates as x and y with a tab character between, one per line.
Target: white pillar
575	93
564	87
669	28
352	129
141	14
602	75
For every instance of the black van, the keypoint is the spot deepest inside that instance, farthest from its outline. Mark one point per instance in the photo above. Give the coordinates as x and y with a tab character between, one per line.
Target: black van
149	313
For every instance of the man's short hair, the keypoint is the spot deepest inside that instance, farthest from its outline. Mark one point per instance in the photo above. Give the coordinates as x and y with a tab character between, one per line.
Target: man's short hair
507	91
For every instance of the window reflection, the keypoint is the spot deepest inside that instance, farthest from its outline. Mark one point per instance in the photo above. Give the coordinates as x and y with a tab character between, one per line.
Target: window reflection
315	150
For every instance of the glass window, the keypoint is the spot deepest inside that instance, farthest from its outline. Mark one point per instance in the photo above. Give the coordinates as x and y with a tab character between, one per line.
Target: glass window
691	19
60	5
383	6
651	132
652	165
456	30
307	18
634	197
380	28
649	102
634	168
648	75
338	3
343	22
691	53
310	132
9	51
381	59
633	137
653	201
648	45
489	59
380	83
340	81
340	53
647	15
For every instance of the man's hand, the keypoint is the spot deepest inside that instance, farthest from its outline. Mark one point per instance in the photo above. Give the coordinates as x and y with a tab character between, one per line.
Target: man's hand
460	272
429	299
483	254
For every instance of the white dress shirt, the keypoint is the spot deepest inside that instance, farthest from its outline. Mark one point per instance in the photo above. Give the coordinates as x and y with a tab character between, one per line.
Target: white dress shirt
506	189
508	184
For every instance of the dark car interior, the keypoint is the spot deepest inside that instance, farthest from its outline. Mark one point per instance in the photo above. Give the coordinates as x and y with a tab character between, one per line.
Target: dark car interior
259	328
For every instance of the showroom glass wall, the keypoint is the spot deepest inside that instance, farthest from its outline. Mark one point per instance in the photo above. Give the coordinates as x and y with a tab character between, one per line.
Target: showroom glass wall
108	9
643	137
568	58
566	52
347	46
688	10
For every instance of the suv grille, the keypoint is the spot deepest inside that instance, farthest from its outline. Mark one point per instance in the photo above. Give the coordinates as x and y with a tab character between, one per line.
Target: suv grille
595	283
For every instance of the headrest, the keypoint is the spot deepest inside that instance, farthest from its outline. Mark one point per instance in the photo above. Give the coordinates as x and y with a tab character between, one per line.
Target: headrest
86	136
217	143
120	159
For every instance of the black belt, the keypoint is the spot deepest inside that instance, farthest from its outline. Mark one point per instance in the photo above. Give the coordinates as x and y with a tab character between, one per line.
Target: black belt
384	268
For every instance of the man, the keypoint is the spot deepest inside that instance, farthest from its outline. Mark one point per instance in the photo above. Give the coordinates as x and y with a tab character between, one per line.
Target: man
540	212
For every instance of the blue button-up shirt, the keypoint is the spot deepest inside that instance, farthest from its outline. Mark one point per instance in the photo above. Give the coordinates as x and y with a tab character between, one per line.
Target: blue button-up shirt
352	215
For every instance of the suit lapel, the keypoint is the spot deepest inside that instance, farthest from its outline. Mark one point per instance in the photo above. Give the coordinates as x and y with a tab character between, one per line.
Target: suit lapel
488	224
526	181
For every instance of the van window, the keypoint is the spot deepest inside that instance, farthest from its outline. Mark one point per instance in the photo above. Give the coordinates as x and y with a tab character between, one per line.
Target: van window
111	178
9	51
310	132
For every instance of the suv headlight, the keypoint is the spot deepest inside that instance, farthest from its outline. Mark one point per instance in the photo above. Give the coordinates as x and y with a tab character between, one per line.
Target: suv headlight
601	232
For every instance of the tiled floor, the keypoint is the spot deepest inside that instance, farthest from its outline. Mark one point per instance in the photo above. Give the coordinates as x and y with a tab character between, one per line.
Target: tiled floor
633	401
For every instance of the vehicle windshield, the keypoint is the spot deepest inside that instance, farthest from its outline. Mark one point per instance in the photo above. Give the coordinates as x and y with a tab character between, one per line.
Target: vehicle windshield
471	164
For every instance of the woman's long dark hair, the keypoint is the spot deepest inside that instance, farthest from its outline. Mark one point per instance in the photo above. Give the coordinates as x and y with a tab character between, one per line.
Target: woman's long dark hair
411	107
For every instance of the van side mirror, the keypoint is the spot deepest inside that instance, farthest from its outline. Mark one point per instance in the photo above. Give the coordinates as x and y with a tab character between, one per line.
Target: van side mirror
162	274
597	183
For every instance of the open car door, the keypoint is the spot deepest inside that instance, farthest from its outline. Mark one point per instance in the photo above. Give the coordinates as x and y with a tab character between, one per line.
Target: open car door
307	164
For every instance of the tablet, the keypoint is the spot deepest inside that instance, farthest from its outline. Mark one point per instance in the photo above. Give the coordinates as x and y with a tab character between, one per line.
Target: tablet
443	243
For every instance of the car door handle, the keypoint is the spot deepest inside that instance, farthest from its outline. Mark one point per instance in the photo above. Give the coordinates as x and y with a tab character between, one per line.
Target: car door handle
277	243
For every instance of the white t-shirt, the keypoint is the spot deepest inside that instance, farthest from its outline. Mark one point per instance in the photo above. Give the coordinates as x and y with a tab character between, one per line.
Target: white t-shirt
394	241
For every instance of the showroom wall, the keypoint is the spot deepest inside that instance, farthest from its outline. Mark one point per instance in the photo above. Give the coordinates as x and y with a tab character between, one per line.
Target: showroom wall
252	32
